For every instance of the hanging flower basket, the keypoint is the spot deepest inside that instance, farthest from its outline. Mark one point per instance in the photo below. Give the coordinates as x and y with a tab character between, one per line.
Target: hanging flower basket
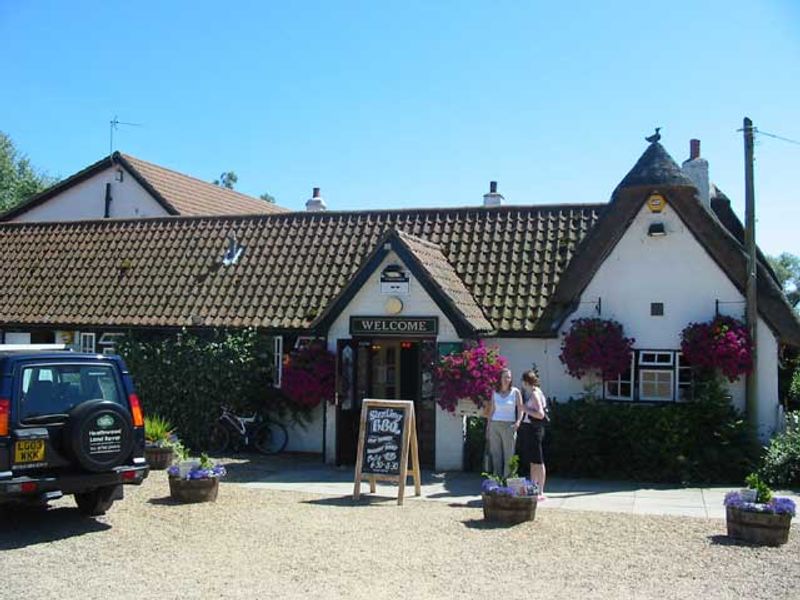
309	375
594	345
469	376
722	344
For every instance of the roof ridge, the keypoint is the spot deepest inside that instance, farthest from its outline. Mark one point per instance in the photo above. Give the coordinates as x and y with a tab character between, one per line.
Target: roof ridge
307	215
220	188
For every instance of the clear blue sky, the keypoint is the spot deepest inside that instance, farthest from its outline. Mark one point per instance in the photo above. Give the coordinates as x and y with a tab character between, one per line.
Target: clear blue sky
385	104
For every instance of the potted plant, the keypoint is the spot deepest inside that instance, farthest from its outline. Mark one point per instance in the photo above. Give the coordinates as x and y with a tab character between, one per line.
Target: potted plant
160	442
511	500
764	520
195	480
722	344
596	346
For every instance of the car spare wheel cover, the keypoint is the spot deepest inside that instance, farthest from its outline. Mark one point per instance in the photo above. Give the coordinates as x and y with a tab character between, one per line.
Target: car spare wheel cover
100	435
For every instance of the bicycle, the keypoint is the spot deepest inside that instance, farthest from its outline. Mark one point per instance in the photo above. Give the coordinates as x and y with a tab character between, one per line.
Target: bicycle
232	430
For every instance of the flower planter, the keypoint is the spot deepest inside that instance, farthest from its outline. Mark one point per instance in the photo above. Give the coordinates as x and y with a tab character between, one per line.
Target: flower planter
159	458
466	407
758	527
194	490
508	509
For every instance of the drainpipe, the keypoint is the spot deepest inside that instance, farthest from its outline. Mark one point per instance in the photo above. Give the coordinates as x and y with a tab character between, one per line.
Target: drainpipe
107	213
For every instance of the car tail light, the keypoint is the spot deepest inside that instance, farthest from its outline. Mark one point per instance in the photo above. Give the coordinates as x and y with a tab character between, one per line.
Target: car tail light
136	410
130	475
5	409
28	487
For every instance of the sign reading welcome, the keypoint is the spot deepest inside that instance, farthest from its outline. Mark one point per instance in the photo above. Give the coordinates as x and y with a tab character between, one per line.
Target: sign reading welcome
404	326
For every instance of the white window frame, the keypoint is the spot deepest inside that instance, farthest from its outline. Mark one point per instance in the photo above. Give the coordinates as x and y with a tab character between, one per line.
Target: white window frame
277	349
83	338
671	380
619	381
678	385
655	362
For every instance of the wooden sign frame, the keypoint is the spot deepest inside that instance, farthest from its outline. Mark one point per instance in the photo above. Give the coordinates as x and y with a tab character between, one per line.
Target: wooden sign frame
408	441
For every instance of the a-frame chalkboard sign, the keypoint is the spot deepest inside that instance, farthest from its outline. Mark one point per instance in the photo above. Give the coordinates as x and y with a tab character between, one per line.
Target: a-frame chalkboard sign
387	433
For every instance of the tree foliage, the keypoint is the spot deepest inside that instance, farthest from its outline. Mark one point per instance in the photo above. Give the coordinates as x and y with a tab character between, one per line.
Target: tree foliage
267	198
787	268
19	180
228	180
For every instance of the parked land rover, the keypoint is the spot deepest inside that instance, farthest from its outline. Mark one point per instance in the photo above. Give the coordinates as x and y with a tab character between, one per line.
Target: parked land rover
70	423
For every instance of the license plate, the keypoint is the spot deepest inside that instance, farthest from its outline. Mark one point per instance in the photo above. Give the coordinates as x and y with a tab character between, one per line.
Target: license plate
29	451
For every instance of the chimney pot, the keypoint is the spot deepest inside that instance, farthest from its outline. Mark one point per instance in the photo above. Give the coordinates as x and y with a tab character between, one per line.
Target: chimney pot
316	203
492	198
694	149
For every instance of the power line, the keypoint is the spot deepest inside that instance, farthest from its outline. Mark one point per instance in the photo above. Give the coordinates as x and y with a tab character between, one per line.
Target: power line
777	137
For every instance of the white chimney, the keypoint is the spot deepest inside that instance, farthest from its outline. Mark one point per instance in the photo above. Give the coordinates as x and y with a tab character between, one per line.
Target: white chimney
696	169
492	198
316	203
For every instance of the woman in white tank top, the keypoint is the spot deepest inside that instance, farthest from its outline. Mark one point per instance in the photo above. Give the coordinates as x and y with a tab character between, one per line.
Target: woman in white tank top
501	423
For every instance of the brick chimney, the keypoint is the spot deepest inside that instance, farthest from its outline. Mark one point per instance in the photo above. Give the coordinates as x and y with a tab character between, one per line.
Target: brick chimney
696	169
492	198
316	203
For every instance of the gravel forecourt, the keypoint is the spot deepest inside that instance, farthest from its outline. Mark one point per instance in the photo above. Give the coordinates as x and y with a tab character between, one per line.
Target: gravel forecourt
256	543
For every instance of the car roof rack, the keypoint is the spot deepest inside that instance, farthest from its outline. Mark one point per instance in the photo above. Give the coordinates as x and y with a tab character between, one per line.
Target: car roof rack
34	347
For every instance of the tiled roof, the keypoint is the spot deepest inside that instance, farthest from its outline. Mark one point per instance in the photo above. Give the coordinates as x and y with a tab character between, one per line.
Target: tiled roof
169	272
177	193
191	196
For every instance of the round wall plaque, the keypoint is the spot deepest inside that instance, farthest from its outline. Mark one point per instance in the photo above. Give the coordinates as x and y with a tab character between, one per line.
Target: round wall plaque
393	306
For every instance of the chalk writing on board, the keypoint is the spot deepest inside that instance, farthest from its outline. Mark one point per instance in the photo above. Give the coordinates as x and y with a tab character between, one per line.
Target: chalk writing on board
384	437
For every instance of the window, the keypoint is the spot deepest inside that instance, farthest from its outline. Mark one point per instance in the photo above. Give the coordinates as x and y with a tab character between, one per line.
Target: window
655	385
88	342
621	388
56	389
277	365
684	380
656	309
653	376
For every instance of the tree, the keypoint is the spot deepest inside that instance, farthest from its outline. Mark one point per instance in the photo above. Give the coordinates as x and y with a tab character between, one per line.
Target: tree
787	268
18	179
267	198
227	180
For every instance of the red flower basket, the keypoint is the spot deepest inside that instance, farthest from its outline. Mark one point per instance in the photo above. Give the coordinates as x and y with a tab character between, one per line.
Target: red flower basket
472	373
596	345
309	375
722	344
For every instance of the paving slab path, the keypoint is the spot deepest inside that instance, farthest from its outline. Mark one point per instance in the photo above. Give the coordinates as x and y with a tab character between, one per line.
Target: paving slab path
308	474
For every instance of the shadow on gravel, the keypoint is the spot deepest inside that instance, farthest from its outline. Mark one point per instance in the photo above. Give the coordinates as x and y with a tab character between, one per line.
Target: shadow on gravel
165	501
364	500
724	540
467	504
29	527
483	524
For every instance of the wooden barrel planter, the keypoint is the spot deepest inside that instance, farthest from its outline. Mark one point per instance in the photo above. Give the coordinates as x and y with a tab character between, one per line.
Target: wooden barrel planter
509	509
758	528
159	458
194	490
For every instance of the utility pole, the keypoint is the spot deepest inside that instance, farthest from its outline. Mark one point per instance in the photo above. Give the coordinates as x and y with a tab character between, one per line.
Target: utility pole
751	402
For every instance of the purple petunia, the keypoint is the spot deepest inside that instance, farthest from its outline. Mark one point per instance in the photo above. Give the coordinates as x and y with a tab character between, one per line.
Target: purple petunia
777	506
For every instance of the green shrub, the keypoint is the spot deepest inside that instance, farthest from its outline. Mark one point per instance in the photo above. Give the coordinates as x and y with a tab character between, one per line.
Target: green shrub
701	441
781	463
157	431
186	377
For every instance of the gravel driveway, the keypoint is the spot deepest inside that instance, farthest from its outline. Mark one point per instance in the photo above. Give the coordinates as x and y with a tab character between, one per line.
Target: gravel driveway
265	544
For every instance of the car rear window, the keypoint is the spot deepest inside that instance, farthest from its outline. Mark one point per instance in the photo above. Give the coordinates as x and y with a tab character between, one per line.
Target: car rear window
58	388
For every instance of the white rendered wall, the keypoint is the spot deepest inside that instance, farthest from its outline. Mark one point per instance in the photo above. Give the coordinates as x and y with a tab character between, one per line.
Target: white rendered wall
674	270
368	301
86	200
306	437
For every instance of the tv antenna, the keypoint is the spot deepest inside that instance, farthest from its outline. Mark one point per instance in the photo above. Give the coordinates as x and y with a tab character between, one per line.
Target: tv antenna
113	126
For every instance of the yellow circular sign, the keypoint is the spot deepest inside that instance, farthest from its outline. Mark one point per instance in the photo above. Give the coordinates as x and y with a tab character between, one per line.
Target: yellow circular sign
394	306
656	202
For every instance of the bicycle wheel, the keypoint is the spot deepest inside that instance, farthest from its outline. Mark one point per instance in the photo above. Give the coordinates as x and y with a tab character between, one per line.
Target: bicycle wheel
218	439
270	438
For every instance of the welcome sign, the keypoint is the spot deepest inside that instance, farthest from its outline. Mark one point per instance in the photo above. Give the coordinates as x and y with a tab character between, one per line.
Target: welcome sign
389	326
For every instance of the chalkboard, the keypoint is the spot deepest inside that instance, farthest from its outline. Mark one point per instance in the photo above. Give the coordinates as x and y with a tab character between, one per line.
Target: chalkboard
387	439
383	442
